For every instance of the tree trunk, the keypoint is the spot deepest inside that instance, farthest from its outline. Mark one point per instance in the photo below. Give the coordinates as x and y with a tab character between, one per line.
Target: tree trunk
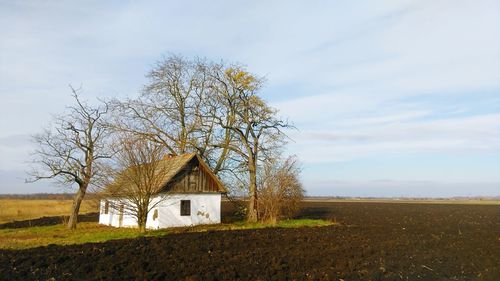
142	227
252	214
75	209
142	217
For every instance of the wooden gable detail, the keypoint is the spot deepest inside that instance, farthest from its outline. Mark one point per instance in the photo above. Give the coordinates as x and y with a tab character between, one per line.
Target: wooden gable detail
193	178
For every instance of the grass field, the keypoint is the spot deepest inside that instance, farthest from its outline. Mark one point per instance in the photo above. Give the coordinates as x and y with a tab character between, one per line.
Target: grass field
22	238
24	209
29	237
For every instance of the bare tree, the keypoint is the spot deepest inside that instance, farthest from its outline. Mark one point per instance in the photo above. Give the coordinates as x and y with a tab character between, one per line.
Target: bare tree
280	190
138	178
174	110
209	108
73	150
256	129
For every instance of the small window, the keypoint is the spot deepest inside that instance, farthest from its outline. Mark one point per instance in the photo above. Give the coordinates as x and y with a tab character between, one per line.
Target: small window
155	214
106	207
185	207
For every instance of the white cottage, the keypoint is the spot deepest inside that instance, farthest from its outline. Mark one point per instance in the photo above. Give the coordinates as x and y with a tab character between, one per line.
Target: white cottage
191	195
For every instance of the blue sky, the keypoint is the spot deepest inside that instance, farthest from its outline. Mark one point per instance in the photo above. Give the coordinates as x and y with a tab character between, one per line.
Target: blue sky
391	98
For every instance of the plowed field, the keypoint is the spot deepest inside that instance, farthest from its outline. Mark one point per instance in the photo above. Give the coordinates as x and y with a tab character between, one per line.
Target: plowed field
374	241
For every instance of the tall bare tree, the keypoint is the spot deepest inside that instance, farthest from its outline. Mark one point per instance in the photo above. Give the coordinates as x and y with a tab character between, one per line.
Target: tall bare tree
174	109
72	151
255	126
138	178
209	108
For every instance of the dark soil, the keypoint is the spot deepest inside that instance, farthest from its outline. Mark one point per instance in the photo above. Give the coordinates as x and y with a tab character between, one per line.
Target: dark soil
44	221
375	241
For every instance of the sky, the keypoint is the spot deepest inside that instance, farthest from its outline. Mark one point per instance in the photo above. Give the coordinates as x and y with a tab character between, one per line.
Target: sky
390	98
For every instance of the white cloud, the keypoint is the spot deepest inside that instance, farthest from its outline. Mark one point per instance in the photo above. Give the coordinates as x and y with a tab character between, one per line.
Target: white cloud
348	68
432	47
469	135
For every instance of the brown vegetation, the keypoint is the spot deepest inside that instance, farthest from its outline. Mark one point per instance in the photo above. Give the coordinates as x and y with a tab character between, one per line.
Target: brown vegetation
280	191
24	209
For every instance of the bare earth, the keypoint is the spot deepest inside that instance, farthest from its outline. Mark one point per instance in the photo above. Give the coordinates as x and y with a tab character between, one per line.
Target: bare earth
374	241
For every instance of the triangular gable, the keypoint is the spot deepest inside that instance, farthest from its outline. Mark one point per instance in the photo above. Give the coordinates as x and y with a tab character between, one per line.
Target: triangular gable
179	163
204	165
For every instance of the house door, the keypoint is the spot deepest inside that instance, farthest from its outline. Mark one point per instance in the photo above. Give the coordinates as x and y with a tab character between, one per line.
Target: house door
120	216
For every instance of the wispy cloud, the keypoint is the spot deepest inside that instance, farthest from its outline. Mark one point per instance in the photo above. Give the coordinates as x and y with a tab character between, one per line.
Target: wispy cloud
474	134
359	80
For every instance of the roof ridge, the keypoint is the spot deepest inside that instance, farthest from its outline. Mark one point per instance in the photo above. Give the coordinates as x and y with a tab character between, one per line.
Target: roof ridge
170	156
170	166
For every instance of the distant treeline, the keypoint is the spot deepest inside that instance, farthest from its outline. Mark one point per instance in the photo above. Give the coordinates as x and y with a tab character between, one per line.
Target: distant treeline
402	198
47	196
69	196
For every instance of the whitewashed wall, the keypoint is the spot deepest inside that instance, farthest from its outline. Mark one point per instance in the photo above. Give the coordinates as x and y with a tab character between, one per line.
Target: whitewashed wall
205	209
113	216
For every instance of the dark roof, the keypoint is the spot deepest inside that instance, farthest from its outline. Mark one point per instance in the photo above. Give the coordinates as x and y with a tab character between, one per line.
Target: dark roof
176	164
170	168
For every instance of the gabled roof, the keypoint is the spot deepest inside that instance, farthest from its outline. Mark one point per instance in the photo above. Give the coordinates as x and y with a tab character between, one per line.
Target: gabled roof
176	164
168	171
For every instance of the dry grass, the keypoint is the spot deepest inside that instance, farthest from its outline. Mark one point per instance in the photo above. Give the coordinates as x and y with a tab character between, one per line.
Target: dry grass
24	209
29	237
22	238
